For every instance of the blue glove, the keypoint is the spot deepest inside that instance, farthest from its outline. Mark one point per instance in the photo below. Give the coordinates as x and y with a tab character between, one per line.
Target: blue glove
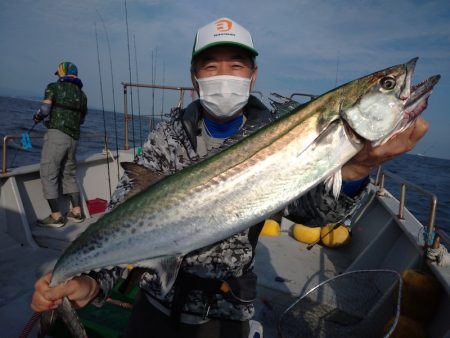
37	117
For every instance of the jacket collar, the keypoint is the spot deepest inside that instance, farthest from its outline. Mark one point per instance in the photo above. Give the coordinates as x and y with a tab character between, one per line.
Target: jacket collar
254	111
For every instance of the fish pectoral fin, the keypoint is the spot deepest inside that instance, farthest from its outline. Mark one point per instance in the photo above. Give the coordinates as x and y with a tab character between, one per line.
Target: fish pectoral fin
167	269
334	183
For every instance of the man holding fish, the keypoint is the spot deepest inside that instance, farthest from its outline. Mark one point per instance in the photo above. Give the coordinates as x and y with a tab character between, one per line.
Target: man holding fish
209	290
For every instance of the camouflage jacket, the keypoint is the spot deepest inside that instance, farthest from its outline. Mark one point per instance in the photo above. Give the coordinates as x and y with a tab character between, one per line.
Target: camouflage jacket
173	146
69	107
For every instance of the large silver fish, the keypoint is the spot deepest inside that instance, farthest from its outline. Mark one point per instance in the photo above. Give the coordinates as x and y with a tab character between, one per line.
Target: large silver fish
227	193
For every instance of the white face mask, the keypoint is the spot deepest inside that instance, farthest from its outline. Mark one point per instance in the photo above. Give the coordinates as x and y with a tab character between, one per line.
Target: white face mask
224	95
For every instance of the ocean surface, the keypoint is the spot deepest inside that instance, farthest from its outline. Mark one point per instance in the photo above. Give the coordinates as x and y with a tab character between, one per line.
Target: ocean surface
431	174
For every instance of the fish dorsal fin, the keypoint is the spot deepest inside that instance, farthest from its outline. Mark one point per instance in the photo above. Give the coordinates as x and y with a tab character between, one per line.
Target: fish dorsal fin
166	268
141	176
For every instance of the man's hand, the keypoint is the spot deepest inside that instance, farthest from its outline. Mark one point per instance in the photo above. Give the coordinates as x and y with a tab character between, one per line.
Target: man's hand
370	157
80	290
37	117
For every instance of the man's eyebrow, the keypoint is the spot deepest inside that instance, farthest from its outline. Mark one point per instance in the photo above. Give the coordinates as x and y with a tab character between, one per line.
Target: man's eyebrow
239	57
235	57
207	59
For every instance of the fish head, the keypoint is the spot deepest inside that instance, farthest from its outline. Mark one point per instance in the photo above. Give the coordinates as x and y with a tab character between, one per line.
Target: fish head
388	103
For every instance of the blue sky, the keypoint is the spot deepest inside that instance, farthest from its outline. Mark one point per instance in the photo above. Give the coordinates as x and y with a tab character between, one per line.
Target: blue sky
304	45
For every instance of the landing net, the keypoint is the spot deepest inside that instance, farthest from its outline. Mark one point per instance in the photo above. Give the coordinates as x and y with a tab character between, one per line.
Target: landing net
362	303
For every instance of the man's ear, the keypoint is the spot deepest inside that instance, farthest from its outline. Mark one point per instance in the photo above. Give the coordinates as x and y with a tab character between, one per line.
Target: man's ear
254	75
195	84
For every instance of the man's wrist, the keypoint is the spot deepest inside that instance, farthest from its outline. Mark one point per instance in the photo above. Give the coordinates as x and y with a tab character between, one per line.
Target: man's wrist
353	172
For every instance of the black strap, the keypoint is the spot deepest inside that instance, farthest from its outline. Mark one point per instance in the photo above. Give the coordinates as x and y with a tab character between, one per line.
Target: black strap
187	282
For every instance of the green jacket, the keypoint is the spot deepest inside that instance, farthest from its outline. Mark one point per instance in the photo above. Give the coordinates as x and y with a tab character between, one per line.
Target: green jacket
69	107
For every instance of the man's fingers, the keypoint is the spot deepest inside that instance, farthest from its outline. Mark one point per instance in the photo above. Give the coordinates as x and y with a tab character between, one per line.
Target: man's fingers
39	303
419	131
60	291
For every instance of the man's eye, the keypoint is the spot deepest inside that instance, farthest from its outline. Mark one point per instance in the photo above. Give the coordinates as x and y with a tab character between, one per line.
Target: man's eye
209	67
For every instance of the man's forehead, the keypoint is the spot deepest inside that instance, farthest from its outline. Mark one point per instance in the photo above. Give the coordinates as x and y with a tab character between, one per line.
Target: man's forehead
224	52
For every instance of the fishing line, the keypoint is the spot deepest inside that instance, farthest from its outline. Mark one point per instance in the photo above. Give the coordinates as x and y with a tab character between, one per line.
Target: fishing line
103	111
163	83
129	72
139	100
337	68
22	143
154	60
113	95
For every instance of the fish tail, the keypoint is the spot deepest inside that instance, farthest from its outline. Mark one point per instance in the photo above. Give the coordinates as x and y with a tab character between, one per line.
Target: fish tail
46	322
68	314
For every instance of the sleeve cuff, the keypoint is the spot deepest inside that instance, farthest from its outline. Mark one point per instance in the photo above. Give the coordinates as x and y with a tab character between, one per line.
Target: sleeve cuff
352	188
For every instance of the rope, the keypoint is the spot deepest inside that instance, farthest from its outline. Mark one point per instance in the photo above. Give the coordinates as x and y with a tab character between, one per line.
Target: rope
439	255
123	305
29	325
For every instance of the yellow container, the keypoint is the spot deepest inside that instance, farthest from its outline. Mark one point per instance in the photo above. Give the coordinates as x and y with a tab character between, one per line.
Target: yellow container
334	238
271	228
305	234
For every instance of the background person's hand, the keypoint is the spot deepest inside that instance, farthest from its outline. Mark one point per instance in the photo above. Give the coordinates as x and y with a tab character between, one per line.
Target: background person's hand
80	290
37	117
371	157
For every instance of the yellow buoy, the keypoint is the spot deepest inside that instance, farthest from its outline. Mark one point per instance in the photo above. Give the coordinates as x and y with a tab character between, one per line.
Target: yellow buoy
421	294
333	238
305	234
406	328
271	228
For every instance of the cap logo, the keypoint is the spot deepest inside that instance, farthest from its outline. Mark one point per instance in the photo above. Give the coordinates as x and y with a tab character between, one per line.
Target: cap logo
224	25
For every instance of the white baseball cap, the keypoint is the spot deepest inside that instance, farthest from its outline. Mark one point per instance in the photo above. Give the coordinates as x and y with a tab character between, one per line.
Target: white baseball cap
223	31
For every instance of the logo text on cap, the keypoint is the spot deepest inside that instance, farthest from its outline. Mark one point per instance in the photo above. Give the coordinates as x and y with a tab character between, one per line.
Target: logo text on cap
223	25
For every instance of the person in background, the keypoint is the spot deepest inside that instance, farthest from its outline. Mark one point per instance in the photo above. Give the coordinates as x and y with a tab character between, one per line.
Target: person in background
215	288
64	107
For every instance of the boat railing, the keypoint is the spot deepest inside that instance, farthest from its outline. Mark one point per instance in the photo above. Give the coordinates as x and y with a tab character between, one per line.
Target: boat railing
180	104
8	138
311	96
404	184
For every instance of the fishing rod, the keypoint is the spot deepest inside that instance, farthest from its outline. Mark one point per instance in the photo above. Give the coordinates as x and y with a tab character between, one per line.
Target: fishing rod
139	100
113	93
103	112
129	72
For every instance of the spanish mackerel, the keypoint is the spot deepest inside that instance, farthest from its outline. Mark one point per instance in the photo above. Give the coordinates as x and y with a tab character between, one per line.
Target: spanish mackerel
227	193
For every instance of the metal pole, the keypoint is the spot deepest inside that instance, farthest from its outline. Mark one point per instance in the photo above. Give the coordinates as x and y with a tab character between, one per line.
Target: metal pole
125	111
431	220
401	207
4	156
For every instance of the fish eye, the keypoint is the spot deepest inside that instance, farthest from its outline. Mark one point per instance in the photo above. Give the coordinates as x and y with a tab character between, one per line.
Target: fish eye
387	82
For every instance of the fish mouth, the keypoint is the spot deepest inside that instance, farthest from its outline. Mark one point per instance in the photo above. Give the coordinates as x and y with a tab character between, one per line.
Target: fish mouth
416	98
417	101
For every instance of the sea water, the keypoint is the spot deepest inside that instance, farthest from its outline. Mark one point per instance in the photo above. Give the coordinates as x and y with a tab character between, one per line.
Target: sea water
431	174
